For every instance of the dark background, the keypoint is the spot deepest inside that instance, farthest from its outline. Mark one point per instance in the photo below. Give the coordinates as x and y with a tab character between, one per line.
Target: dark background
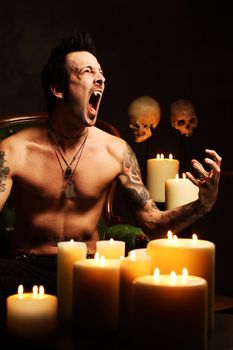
164	49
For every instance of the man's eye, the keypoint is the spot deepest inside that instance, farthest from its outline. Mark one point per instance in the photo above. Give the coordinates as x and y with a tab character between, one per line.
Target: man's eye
86	70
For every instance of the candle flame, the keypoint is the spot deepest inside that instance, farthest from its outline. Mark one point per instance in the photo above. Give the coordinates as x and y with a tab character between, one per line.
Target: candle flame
20	290
162	156
156	274
102	260
184	176
173	277
111	240
35	290
184	274
72	241
169	234
132	255
194	237
170	156
41	290
97	256
177	176
158	156
174	238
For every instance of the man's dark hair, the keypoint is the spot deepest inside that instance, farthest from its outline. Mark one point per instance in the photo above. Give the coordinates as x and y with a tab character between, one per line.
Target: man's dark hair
54	72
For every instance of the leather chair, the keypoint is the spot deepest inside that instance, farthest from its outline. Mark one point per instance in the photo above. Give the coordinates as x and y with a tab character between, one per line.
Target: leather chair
110	225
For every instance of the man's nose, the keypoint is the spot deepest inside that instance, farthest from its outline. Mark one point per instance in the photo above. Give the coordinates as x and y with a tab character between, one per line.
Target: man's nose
99	79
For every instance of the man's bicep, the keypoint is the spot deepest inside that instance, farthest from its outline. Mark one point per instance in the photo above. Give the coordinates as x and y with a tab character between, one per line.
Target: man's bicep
130	178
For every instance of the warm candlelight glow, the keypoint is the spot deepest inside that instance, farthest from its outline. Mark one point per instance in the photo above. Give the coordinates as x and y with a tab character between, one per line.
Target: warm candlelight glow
194	237
97	256
185	274
102	260
169	234
170	156
41	290
158	156
184	176
35	290
173	277
20	290
132	255
174	238
156	274
177	176
162	156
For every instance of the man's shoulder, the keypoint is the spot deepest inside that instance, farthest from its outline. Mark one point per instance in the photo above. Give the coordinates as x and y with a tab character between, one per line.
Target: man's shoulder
21	137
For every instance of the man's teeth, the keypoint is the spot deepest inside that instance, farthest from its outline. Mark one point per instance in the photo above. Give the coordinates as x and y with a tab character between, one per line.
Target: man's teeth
97	93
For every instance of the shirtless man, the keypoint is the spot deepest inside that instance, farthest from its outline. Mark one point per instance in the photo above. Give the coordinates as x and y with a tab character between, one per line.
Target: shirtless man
60	174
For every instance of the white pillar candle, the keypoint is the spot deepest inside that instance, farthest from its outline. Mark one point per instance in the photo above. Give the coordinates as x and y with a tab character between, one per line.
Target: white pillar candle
31	314
139	251
96	294
111	249
68	253
158	170
170	312
179	191
197	255
134	265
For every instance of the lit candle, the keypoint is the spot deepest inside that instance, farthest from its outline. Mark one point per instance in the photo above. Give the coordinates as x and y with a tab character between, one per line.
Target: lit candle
179	191
170	311
134	265
138	251
197	255
68	253
111	249
158	170
31	314
96	294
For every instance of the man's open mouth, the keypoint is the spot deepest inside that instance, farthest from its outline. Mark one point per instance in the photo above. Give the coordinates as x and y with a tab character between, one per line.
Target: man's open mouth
94	101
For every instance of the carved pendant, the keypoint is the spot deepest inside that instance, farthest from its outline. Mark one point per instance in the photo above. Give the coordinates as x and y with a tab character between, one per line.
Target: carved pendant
70	193
68	173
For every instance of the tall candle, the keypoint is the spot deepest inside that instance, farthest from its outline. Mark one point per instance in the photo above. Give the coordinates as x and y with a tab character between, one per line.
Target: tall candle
68	253
158	170
96	294
179	191
197	255
170	312
134	265
111	249
31	314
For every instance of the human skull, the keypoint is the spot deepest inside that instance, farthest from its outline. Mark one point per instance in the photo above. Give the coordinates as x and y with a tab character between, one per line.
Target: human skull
183	117
144	113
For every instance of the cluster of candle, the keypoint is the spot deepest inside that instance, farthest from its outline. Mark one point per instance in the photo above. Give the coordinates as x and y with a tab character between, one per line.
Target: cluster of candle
160	169
144	291
164	183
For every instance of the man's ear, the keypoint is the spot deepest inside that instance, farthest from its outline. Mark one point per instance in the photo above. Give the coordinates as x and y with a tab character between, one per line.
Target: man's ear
57	91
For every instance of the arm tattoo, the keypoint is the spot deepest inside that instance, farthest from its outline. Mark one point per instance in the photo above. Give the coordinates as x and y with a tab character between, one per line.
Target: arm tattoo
136	193
4	171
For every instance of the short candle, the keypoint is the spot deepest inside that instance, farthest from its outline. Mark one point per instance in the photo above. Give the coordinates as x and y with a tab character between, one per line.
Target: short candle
179	191
197	255
31	314
171	310
111	249
158	170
